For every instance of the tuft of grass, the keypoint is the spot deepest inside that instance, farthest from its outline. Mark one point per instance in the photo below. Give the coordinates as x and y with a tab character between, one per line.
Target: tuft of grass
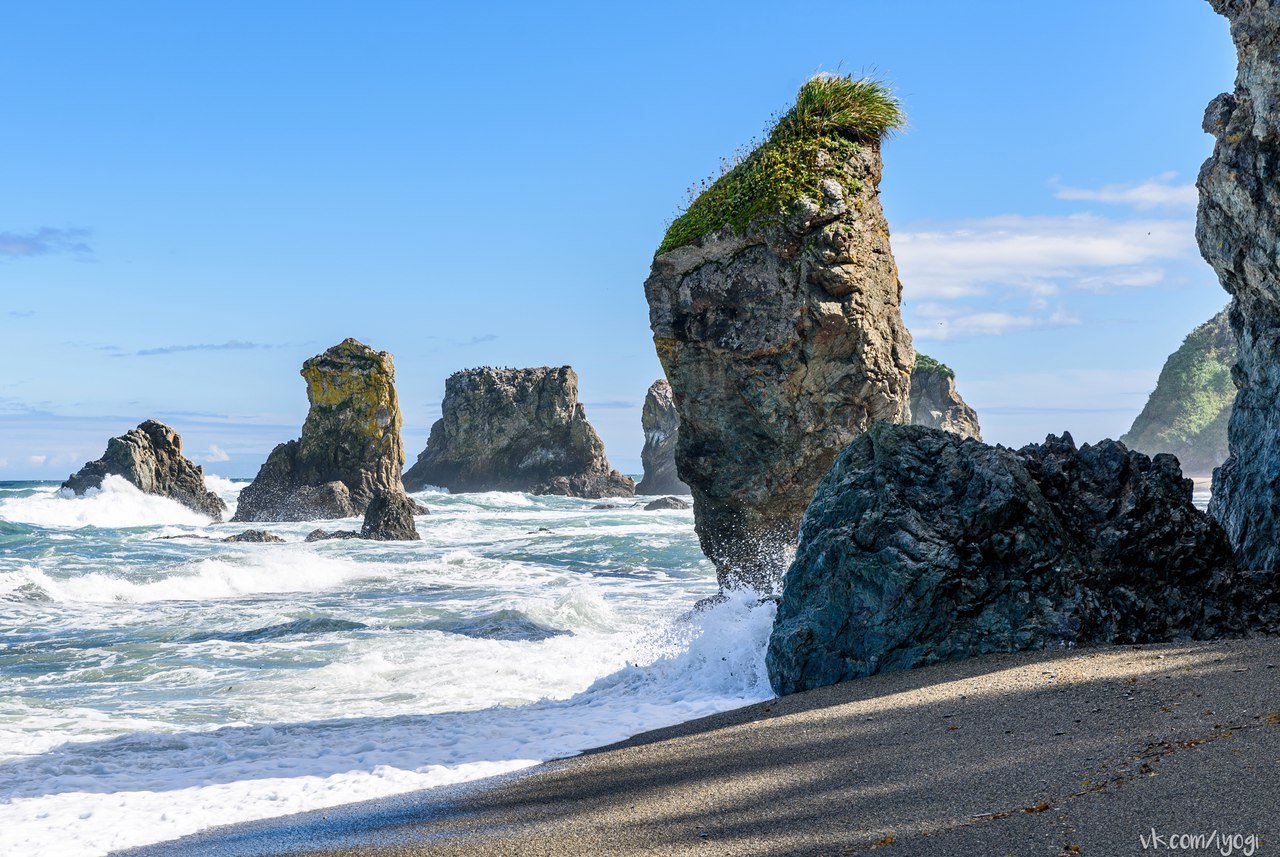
832	114
925	363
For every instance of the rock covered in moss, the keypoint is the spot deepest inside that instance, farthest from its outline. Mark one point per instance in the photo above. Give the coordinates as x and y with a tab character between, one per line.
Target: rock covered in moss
921	546
661	424
389	518
350	448
935	402
516	430
150	458
780	335
1187	413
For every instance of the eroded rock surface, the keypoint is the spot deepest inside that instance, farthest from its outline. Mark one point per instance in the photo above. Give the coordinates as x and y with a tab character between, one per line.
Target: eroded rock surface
516	430
935	402
350	449
1238	229
782	341
389	518
921	546
150	457
661	423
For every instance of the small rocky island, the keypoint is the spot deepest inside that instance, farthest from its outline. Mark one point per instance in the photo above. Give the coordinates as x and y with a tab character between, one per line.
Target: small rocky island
516	430
150	458
1187	413
774	304
921	546
935	403
350	450
661	424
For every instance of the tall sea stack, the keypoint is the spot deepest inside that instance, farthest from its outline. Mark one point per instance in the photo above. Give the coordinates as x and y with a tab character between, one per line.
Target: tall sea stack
774	306
935	402
1238	229
516	430
661	424
350	449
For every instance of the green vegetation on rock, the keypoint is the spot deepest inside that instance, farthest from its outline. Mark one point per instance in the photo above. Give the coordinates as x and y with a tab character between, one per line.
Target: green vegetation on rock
832	116
925	363
1188	411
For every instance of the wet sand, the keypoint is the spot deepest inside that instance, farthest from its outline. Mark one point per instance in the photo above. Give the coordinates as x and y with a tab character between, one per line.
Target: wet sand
1030	754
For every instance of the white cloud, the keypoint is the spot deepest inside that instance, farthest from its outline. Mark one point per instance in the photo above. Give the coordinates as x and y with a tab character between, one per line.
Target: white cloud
37	460
1159	192
216	454
4	462
940	321
1038	255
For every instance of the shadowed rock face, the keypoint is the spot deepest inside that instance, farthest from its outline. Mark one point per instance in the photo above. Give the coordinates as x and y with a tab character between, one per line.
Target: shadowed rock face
1187	413
150	457
781	345
1238	228
661	424
389	518
935	403
350	449
516	430
921	546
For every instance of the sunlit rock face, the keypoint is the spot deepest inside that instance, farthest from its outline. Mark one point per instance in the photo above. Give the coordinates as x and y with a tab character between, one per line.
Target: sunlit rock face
1238	228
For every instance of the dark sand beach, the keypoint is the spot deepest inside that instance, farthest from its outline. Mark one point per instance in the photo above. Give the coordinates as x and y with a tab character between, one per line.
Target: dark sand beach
1070	752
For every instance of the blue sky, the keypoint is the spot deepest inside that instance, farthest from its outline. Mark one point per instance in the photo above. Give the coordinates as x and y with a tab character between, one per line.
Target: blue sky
194	198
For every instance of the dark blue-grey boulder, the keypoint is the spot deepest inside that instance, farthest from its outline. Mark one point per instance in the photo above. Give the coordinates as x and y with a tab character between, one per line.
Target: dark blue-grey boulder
921	546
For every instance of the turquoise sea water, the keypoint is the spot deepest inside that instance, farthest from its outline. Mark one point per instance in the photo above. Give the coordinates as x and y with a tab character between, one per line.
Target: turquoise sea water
156	686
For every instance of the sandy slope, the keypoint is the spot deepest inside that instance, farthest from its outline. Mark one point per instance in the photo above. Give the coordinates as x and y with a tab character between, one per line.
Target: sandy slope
1009	754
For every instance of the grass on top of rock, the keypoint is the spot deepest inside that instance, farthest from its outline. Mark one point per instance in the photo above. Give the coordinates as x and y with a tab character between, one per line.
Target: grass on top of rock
925	363
832	113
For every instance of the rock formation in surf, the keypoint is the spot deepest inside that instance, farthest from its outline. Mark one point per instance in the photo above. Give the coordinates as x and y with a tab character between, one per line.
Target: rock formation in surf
935	403
516	430
389	518
1187	413
921	546
1238	229
150	457
661	424
774	306
350	449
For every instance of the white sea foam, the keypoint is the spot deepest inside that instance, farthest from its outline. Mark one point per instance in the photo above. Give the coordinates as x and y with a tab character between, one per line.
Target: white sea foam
116	504
92	798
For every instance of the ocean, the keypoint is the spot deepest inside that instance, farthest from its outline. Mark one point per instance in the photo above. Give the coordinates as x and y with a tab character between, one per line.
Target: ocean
154	687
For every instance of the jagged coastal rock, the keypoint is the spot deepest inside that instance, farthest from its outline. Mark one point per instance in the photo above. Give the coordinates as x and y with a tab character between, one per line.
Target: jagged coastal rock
1187	413
255	537
935	403
921	546
774	304
150	457
1238	229
665	503
516	430
661	423
389	518
350	449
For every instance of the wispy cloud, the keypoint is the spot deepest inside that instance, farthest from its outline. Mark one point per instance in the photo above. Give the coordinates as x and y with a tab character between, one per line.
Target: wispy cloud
37	460
44	241
940	321
615	404
1159	192
476	340
1038	255
230	345
24	313
215	454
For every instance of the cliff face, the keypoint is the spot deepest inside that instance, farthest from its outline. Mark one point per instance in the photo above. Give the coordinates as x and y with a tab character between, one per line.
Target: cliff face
777	323
922	547
661	423
516	430
1238	228
150	457
1188	411
935	402
350	449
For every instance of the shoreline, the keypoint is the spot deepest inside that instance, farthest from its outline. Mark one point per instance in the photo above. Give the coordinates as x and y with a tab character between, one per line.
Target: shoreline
1031	753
